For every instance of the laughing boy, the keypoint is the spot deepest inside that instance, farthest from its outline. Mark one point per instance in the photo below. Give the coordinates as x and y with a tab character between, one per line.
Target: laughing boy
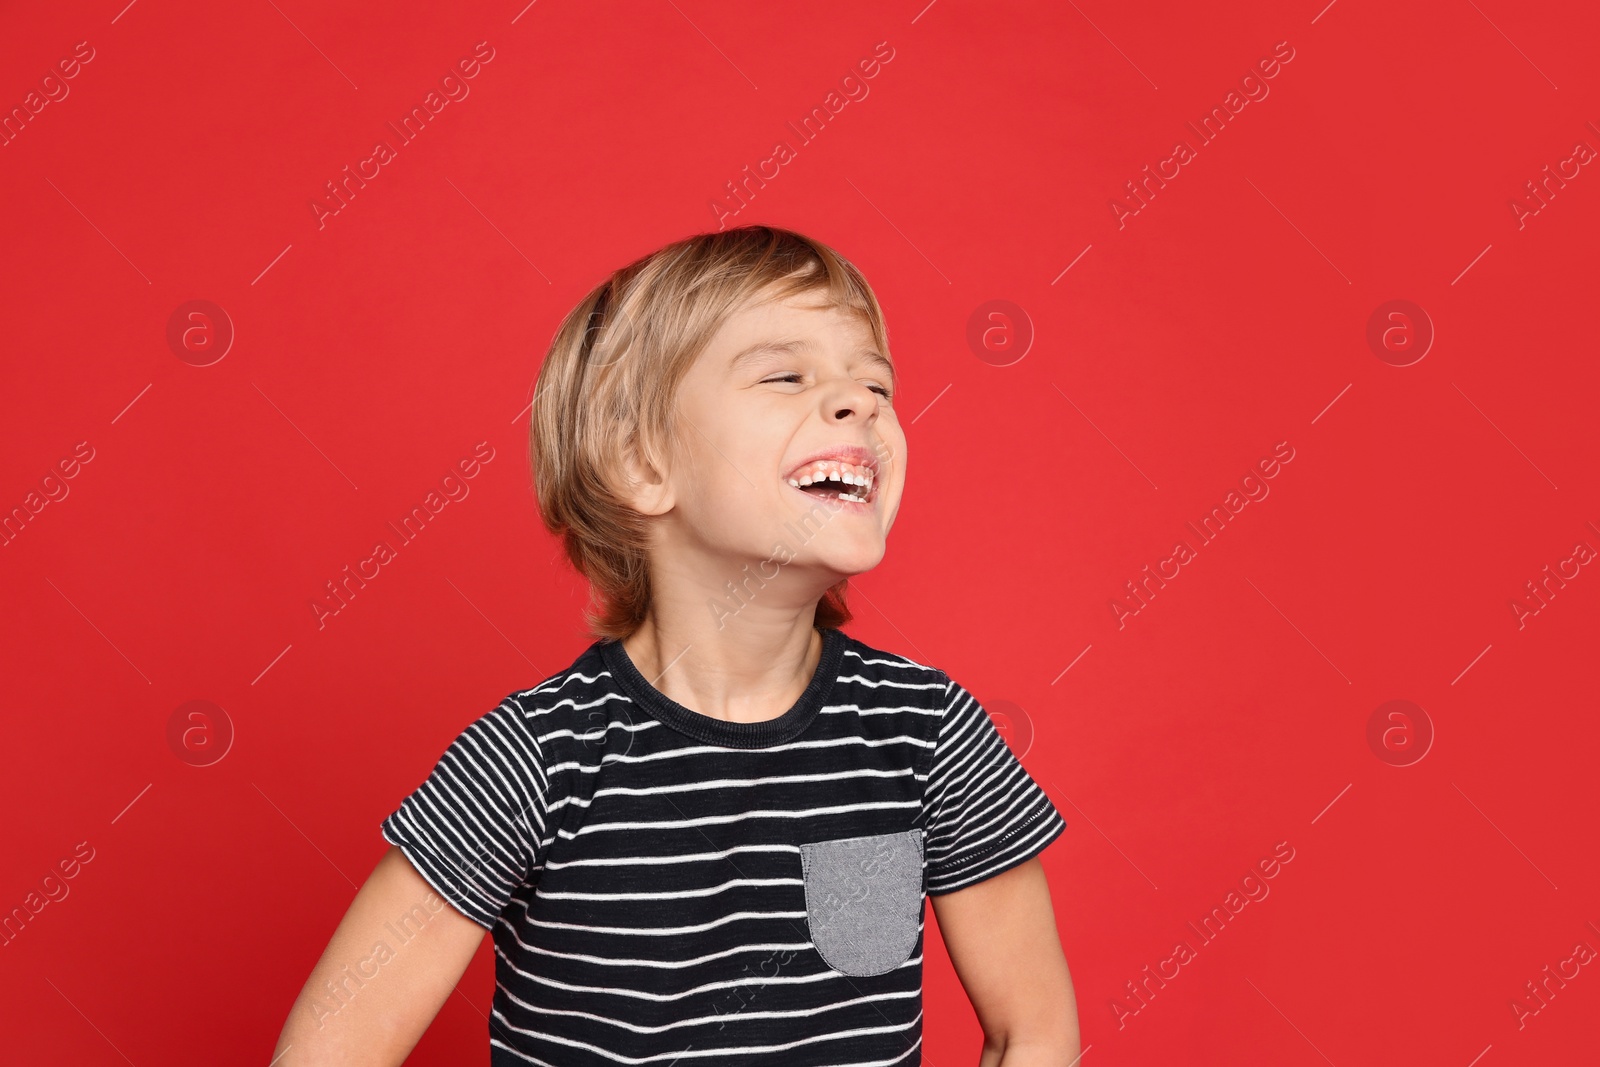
708	840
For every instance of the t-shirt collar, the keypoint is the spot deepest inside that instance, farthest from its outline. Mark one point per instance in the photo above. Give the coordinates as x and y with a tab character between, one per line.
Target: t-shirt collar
785	727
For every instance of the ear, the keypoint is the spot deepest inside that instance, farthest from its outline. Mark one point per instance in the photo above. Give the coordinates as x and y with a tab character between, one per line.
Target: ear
645	487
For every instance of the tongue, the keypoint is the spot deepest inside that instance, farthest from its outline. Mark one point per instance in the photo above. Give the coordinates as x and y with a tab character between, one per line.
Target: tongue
824	489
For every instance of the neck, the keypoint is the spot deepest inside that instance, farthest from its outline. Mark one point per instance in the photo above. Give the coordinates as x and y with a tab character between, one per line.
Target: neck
749	670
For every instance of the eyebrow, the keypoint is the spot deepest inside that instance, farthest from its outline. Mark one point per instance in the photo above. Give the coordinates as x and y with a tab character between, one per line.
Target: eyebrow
762	349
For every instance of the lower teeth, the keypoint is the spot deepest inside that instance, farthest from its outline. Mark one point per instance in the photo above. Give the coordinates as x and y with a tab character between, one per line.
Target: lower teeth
830	493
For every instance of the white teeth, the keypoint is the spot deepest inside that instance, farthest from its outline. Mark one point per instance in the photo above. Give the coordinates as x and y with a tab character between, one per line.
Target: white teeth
839	475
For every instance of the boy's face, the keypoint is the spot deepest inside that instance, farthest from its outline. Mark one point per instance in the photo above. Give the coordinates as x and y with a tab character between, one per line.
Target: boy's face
779	386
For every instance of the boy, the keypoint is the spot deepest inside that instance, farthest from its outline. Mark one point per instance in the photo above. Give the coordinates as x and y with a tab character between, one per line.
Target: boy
708	840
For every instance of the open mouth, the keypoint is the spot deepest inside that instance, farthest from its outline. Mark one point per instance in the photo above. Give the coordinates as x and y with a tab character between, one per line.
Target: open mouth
848	483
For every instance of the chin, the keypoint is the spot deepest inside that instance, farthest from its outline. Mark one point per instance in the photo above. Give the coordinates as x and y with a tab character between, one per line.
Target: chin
852	563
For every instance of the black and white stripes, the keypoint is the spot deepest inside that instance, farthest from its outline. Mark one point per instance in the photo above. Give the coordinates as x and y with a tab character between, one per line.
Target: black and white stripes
989	815
638	863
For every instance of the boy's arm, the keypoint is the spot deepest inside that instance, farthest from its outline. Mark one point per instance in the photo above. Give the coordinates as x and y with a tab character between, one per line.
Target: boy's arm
371	996
1001	936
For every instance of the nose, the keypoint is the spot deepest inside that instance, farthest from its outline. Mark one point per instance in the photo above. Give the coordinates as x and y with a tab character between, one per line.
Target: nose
851	399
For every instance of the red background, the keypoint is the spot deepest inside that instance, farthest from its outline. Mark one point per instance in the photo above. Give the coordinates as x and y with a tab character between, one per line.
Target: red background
1229	314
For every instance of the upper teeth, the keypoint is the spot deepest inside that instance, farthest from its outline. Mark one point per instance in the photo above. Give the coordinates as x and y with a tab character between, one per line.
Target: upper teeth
832	471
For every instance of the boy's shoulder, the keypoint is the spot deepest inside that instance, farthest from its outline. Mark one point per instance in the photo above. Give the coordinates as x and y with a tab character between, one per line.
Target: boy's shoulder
866	662
569	692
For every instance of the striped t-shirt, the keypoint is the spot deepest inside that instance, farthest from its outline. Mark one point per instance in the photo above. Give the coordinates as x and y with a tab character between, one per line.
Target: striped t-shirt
667	888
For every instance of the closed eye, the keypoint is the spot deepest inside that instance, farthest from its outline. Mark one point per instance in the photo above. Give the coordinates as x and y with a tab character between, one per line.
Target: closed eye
880	390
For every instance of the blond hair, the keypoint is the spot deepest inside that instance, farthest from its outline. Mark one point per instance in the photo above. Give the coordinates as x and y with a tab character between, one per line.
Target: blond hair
610	378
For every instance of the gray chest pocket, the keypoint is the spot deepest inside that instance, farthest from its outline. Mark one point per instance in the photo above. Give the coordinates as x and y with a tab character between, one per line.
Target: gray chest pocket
864	900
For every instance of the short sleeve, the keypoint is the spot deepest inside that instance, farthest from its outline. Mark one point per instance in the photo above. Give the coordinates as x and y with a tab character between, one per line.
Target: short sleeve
984	813
473	828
